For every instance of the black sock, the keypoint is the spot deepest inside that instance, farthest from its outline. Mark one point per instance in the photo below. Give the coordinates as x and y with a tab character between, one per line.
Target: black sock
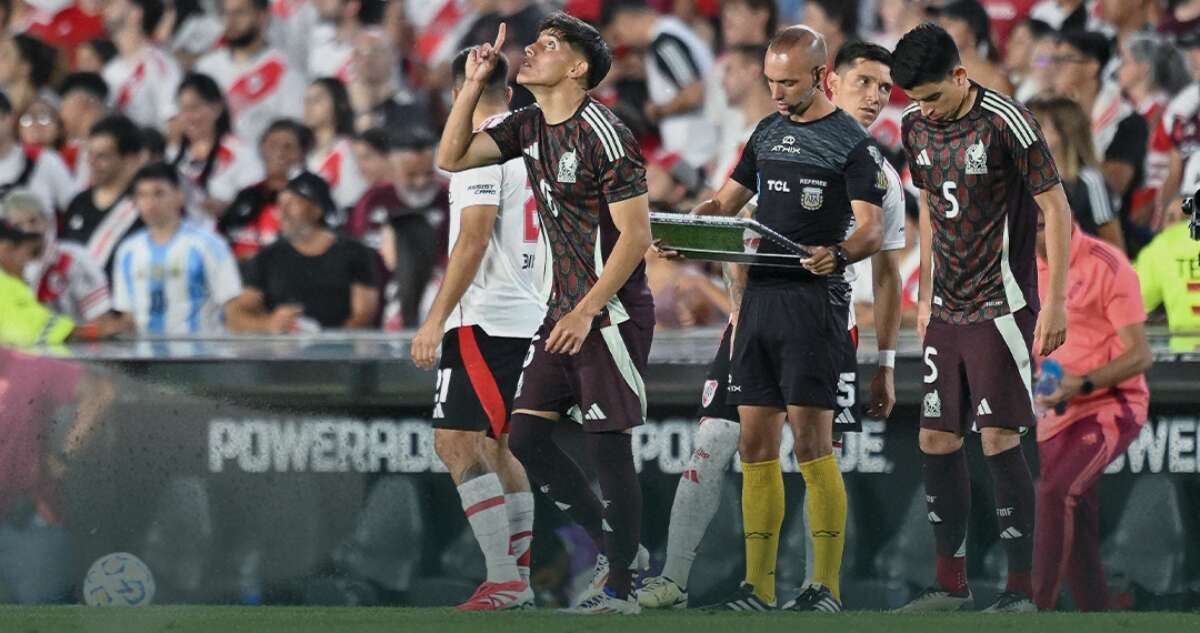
948	498
612	453
531	440
1015	507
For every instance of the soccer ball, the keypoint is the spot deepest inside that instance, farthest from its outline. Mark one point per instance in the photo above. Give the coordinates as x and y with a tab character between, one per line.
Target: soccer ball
118	580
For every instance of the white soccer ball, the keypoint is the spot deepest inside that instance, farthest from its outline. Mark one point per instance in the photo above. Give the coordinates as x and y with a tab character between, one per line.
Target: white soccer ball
118	580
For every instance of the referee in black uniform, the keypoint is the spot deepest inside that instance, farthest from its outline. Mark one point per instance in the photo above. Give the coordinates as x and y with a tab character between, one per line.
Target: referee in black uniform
814	169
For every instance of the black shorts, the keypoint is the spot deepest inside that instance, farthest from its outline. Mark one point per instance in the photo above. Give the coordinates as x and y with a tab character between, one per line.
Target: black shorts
847	418
713	402
790	346
476	380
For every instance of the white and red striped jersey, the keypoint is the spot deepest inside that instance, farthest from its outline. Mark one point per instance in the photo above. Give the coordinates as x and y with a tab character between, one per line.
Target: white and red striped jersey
332	58
440	25
258	90
142	87
1177	130
70	282
291	29
339	168
235	167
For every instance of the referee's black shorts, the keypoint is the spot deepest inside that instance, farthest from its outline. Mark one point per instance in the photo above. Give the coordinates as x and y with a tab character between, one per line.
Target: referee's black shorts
789	347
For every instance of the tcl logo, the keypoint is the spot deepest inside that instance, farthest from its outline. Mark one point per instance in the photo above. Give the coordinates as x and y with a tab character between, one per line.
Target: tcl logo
778	185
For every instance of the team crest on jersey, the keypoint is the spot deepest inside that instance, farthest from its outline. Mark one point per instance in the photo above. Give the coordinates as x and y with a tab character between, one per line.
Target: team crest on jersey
977	159
933	405
875	155
568	165
812	197
710	392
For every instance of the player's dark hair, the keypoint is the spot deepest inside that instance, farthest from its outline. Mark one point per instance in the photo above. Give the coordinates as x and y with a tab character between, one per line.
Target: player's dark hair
377	138
926	54
1091	45
154	142
585	39
769	6
343	112
209	91
842	13
90	83
413	139
303	135
124	133
40	56
104	48
157	171
152	14
497	81
851	52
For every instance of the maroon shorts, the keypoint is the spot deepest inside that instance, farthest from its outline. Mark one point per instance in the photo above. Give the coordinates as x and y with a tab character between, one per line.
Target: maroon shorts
979	375
601	387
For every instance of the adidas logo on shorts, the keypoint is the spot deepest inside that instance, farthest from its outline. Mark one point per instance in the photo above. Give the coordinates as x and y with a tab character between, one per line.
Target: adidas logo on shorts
595	414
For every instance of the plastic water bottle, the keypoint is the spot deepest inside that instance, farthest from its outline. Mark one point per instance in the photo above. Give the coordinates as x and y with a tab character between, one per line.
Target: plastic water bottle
1047	383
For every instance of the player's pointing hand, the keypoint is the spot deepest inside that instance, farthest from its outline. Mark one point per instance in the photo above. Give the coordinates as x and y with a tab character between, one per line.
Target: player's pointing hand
483	58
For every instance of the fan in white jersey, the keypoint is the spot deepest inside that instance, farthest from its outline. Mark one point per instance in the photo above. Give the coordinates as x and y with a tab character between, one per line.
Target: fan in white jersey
328	113
291	30
749	101
484	316
142	77
331	52
39	169
172	278
259	82
861	84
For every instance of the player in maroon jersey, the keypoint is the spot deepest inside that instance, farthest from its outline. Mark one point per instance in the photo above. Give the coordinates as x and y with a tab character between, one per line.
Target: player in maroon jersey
984	169
588	358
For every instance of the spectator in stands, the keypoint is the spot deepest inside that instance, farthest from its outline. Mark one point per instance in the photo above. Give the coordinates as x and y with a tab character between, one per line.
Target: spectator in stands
837	20
173	277
380	96
142	78
24	321
1178	134
327	112
1031	44
372	150
1168	269
154	145
1069	136
209	157
92	56
40	126
291	30
683	295
84	99
415	238
967	22
26	64
39	169
1181	17
676	61
1120	132
1127	17
521	18
251	222
746	91
332	52
259	82
103	215
311	274
64	278
671	183
897	17
1061	15
748	22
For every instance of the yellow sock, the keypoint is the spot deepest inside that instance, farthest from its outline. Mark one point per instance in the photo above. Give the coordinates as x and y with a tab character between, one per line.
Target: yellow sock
825	499
762	518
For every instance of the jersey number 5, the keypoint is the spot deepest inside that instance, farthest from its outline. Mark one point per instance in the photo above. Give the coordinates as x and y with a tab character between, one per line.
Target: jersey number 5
948	189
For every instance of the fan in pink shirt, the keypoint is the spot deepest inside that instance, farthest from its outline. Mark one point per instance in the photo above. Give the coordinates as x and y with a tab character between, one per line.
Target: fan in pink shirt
1104	361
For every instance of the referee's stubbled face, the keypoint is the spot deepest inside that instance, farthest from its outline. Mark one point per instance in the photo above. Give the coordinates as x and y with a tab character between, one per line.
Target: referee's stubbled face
793	78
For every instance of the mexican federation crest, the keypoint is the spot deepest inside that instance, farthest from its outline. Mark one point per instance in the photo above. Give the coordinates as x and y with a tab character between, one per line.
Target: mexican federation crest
710	392
933	405
568	165
977	159
811	198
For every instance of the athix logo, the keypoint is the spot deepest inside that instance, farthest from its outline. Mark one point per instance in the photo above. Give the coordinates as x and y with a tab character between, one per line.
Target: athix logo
789	140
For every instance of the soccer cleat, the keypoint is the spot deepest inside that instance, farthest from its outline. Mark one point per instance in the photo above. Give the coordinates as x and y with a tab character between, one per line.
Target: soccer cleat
661	592
743	599
815	597
499	596
1012	602
936	599
605	603
641	562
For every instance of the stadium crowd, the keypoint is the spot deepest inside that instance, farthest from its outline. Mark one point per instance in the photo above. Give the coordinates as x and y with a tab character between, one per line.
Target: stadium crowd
193	167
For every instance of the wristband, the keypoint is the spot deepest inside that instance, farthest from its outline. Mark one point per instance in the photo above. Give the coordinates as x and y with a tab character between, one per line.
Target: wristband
887	358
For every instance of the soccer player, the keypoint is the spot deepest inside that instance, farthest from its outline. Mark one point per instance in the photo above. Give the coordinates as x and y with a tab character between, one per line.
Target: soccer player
484	316
815	173
984	169
587	360
860	84
1107	401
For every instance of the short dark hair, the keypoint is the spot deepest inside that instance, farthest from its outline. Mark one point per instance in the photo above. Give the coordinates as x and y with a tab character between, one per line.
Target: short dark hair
843	13
585	39
769	6
125	133
157	171
152	14
377	138
91	83
154	142
497	81
1090	44
104	48
851	52
924	55
757	52
613	8
40	56
304	136
413	139
343	111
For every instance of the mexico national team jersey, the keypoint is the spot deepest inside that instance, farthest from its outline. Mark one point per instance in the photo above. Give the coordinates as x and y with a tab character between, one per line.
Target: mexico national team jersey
504	298
258	90
177	288
980	174
577	168
806	175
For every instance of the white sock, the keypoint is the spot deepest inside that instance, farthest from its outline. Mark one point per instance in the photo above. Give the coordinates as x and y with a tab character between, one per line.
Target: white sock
698	494
483	502
520	527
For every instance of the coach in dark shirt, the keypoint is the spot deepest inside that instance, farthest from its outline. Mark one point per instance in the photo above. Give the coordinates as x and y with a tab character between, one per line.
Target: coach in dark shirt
311	276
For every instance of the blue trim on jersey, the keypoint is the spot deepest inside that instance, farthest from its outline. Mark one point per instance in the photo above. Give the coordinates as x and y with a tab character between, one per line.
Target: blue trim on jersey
197	288
156	287
127	273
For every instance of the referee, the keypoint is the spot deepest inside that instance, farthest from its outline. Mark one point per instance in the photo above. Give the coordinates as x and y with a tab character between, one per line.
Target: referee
814	169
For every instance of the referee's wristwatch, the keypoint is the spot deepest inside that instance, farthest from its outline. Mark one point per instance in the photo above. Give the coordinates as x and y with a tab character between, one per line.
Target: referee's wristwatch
1087	386
841	260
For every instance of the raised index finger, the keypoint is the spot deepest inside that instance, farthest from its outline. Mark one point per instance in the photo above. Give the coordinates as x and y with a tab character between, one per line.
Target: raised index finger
500	36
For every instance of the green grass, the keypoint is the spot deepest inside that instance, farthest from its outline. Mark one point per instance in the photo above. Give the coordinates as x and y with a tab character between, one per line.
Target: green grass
179	619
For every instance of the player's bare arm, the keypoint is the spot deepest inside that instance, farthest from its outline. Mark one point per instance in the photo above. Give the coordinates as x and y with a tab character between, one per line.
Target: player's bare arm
1051	329
461	147
632	219
474	233
862	243
364	306
925	284
729	200
1135	360
885	279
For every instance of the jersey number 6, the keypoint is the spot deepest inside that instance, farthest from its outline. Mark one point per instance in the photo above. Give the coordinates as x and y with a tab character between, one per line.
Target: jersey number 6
948	189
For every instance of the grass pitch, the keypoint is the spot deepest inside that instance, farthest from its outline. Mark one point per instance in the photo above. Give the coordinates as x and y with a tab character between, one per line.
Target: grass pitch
202	619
